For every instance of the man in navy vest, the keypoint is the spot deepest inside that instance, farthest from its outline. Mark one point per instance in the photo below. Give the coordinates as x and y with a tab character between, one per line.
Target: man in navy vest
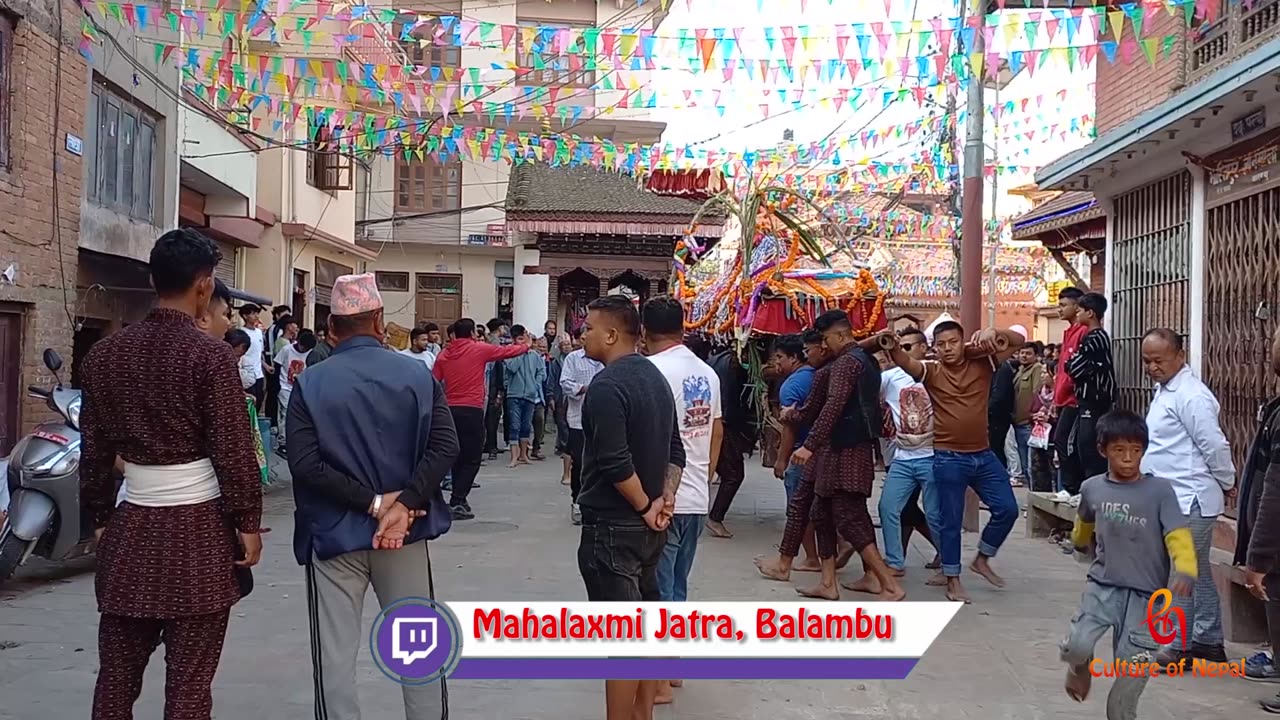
369	440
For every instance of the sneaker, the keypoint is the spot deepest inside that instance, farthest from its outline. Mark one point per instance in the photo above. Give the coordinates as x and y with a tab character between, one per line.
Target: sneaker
1271	705
575	514
1062	496
1170	654
461	512
1260	667
1074	501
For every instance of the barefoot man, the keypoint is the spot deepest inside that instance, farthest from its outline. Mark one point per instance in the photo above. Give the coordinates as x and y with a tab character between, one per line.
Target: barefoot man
799	530
959	383
840	449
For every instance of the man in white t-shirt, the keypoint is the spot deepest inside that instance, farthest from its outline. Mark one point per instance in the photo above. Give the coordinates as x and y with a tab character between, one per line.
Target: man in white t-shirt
251	363
419	339
910	454
696	389
292	360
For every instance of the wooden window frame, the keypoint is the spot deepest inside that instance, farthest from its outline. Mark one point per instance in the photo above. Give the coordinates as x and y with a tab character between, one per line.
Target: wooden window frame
432	54
454	280
389	280
528	75
329	167
425	186
138	200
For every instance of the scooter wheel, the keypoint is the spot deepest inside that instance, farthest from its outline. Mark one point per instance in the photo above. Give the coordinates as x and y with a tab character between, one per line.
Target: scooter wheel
12	550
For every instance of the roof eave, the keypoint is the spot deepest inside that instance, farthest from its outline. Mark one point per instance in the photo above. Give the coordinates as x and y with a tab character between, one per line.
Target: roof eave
1248	68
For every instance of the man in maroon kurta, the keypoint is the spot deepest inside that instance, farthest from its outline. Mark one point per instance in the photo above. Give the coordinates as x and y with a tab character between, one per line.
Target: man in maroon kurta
166	398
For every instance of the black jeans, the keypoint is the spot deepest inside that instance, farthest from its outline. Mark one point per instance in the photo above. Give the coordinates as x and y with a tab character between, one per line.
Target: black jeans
1271	582
731	466
489	427
997	433
576	441
619	563
539	426
1085	442
469	423
1068	461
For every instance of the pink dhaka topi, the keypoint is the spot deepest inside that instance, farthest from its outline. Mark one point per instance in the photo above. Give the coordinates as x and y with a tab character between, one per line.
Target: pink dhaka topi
355	294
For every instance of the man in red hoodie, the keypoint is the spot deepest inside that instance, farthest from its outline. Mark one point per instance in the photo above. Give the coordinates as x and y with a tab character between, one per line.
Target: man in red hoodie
460	367
1064	394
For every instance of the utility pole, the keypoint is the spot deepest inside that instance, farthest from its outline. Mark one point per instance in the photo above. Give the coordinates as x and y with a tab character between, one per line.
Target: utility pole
995	198
971	207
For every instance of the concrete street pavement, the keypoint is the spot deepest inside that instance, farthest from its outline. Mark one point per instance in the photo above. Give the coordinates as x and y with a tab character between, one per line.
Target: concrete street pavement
998	658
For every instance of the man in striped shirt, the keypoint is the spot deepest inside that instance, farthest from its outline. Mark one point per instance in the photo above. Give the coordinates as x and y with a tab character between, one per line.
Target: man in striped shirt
576	375
1094	377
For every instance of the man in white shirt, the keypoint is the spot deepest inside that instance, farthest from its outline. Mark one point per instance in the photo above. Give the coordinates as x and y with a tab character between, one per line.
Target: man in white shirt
574	378
696	390
419	340
292	360
1188	449
251	363
910	455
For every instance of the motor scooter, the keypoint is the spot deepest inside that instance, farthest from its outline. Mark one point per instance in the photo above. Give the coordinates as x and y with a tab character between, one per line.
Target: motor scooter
43	479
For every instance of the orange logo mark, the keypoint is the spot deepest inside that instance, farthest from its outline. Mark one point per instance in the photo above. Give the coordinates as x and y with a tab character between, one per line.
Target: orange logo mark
1161	622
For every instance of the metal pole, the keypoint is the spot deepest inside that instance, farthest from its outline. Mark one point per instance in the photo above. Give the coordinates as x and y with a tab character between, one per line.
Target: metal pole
995	198
971	209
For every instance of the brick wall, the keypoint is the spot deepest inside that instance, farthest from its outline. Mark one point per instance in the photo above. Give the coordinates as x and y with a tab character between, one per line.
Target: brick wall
45	260
1125	89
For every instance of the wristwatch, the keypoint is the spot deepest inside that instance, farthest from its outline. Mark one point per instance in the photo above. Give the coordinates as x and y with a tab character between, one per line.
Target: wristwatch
377	504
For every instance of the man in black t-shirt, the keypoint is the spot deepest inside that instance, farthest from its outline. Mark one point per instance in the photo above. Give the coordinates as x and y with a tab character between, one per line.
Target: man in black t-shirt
632	463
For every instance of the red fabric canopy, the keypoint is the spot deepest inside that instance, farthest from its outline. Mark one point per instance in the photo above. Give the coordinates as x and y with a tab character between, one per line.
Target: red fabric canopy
772	318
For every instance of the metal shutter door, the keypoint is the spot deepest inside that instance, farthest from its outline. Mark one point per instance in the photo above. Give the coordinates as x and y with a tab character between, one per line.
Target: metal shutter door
226	270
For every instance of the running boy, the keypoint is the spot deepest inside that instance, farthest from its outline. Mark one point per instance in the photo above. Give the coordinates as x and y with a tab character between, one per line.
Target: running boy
1135	529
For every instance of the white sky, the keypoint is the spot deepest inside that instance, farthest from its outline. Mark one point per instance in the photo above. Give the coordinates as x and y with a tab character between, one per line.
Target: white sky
814	123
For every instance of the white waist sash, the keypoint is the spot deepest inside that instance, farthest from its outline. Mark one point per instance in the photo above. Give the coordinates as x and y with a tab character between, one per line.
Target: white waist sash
169	485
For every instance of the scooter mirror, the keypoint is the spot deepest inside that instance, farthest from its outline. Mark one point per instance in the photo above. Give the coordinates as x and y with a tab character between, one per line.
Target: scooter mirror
52	360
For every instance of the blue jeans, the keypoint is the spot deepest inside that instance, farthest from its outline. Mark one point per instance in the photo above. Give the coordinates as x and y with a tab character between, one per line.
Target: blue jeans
1022	435
791	480
903	479
677	557
953	474
519	420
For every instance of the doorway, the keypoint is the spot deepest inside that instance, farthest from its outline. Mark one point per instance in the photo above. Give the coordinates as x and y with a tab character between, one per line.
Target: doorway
299	299
10	366
438	300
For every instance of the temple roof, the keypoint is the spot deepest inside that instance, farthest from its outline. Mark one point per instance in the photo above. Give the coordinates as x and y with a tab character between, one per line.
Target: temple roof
1068	208
539	191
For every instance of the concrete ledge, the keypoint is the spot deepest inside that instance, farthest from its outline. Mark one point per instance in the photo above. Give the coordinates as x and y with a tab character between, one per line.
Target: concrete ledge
1045	513
1244	617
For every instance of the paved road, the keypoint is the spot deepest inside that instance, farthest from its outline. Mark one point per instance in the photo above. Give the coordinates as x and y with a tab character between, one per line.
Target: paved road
998	659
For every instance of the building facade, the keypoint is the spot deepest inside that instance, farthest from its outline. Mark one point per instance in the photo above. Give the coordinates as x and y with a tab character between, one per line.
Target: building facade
444	247
41	127
1191	190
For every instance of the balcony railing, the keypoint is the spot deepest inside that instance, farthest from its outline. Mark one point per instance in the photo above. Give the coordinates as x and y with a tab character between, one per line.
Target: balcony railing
1241	27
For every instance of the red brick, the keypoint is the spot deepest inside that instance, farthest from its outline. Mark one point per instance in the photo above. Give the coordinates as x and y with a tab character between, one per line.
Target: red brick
26	194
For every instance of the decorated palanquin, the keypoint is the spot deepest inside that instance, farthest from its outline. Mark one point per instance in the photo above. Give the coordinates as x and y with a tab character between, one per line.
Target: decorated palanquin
784	290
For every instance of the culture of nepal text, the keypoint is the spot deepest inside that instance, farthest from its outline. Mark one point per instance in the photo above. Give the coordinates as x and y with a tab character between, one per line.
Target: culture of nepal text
769	625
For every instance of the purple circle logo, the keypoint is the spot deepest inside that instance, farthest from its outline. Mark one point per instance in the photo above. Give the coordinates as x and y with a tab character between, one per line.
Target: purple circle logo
416	641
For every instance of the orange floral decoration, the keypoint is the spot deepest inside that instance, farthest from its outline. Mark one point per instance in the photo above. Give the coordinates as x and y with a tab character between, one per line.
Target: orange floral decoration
866	285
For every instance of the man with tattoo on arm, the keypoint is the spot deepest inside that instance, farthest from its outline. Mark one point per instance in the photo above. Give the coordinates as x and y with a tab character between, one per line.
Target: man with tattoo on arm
632	462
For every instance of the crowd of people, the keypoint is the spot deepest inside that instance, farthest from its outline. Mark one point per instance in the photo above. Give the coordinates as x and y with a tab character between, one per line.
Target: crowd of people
646	420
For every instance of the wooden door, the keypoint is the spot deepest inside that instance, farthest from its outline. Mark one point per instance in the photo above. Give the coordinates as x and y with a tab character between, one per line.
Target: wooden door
439	308
10	373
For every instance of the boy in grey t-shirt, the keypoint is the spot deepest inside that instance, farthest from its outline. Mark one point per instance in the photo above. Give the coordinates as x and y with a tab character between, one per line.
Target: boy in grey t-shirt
1136	529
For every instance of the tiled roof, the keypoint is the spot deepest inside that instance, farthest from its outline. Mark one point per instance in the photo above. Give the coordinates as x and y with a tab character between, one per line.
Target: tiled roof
1069	208
536	190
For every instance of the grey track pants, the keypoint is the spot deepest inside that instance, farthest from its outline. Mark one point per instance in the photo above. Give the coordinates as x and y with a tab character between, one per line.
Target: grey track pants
335	603
1123	611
